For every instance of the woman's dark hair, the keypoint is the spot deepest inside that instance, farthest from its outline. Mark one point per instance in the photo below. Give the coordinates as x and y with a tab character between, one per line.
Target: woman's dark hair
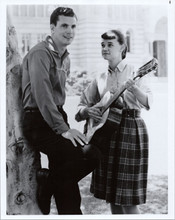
61	11
120	38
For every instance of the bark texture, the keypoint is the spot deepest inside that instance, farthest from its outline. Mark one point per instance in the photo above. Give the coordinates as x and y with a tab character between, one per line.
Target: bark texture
22	160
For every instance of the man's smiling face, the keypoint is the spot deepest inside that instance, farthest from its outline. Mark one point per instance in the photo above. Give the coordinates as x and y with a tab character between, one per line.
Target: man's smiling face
63	33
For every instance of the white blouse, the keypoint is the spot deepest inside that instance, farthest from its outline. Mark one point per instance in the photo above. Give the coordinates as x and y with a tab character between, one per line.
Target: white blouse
113	81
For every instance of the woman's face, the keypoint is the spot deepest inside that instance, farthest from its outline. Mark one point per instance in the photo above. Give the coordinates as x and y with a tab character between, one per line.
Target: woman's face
111	49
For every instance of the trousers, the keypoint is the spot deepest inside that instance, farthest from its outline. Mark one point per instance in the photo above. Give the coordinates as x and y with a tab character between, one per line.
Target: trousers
67	163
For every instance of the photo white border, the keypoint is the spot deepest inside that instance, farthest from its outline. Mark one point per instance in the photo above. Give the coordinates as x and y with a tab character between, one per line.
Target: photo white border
171	92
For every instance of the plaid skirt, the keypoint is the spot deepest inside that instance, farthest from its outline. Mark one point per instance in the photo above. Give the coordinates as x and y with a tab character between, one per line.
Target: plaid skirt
121	177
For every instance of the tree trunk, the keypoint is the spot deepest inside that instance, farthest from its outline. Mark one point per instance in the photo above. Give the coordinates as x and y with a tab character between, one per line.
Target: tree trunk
22	160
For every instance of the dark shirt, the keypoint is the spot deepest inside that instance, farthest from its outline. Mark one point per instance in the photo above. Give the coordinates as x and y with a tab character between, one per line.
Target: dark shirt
44	75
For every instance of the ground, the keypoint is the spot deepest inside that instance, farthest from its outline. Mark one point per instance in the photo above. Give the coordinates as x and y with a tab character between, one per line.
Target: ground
157	198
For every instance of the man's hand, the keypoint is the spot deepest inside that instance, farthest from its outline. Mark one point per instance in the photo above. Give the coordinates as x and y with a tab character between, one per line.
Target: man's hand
74	135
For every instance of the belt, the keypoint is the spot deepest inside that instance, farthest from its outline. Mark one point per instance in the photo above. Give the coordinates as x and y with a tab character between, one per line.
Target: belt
31	110
134	113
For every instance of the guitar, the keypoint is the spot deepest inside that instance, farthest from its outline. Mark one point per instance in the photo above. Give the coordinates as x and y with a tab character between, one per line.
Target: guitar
108	100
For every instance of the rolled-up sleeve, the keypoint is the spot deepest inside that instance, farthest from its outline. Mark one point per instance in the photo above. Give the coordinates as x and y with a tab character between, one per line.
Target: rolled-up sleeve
42	91
89	97
144	86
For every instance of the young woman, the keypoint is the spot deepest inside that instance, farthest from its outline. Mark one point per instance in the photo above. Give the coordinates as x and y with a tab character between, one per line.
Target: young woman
121	176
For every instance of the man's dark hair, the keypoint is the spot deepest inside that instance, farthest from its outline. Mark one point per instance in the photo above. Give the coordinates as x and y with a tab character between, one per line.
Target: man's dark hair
61	11
120	38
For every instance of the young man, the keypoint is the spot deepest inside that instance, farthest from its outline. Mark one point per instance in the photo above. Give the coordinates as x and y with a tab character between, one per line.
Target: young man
45	69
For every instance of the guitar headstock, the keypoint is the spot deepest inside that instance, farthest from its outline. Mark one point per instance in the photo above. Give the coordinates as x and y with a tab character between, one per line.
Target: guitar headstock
148	67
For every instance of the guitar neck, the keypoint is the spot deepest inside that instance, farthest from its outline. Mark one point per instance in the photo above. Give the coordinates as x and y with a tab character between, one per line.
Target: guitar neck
115	96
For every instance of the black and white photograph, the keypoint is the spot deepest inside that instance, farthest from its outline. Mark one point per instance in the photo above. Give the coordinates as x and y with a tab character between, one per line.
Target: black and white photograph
87	109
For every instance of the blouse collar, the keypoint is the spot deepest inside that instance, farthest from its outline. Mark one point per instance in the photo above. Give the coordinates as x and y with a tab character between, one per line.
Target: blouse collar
120	67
